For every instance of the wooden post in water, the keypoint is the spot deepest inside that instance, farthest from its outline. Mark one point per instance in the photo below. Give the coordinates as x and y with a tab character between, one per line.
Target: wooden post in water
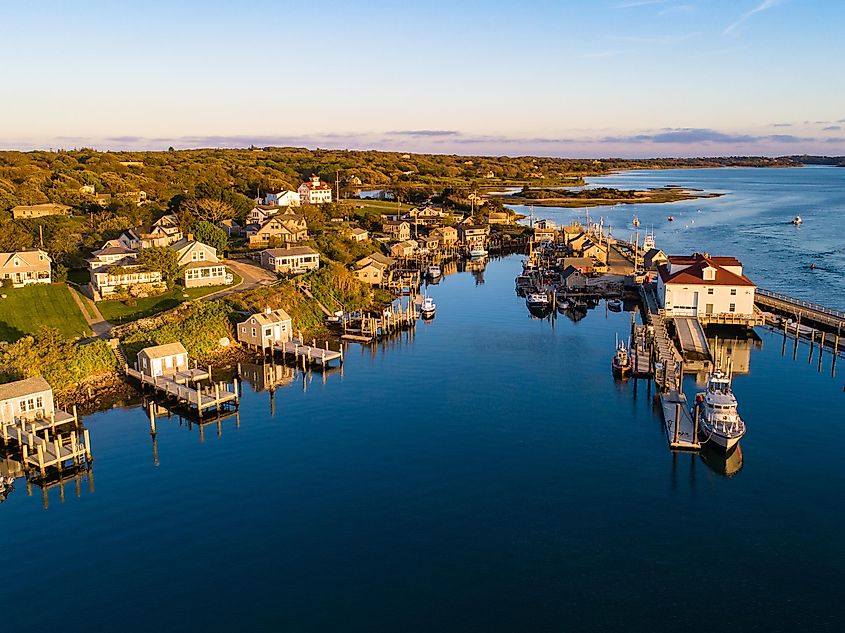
695	428
795	347
812	342
821	351
152	419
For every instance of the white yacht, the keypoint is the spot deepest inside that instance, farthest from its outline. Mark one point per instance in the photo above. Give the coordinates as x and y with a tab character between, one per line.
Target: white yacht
427	308
719	421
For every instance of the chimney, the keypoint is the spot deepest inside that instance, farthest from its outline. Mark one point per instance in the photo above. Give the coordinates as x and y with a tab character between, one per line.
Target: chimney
267	310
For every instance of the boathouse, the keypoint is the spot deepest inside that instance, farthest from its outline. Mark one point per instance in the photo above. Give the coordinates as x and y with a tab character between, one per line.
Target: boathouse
162	360
573	278
29	399
264	329
713	289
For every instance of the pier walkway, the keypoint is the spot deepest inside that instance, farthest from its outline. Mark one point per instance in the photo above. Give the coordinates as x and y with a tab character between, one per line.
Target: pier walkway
308	353
807	312
196	397
681	429
692	336
42	451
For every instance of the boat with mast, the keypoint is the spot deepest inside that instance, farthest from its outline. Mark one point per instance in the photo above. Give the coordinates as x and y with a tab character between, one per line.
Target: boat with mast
721	424
428	307
621	363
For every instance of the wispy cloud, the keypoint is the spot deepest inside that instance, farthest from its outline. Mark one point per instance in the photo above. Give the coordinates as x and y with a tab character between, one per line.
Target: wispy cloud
832	128
686	136
763	6
424	133
781	124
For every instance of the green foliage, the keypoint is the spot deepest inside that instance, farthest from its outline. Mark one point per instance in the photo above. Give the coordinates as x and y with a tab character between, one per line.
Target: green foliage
208	233
163	259
25	310
63	363
199	326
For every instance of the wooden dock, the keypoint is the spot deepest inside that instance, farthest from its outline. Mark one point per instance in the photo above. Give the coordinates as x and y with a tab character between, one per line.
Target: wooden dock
811	314
178	386
42	450
310	354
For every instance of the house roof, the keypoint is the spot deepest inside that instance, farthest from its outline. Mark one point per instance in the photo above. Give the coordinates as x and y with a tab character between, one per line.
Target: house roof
160	351
23	387
114	250
290	252
34	258
44	206
569	271
359	232
269	318
694	271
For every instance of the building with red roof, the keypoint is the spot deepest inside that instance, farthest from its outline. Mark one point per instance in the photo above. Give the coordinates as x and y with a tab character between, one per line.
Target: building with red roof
710	288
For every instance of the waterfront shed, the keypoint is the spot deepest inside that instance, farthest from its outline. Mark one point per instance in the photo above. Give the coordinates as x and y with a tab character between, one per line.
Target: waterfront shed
573	278
162	360
27	399
264	329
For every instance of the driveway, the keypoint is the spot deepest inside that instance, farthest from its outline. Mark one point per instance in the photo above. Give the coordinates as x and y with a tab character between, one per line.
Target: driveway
252	275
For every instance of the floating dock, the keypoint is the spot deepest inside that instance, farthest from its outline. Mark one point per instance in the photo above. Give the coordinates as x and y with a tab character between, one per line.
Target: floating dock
308	353
681	429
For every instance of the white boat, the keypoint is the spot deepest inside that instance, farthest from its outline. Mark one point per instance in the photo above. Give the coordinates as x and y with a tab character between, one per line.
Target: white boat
635	221
537	300
671	218
427	308
648	242
434	271
614	305
477	252
797	220
719	421
795	328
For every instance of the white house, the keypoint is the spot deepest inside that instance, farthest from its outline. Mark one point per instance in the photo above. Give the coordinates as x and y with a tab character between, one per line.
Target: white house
283	198
25	267
315	191
264	329
706	287
298	259
200	264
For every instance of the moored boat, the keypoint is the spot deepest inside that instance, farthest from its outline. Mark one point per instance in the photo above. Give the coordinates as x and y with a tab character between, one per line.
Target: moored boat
614	305
537	301
434	272
719	421
477	252
428	308
621	363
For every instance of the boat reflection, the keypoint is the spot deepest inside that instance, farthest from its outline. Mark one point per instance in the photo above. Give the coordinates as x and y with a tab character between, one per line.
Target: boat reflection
725	464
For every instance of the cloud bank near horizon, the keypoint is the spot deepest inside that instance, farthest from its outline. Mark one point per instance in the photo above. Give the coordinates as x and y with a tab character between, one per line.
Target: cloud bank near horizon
685	141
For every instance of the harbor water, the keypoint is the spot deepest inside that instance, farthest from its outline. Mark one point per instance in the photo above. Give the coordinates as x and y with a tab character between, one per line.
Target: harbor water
485	473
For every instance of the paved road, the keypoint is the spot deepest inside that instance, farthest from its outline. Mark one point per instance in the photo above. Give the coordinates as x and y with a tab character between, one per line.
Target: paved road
253	276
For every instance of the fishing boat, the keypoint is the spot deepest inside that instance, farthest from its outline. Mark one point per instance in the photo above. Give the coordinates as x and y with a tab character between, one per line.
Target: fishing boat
614	305
428	308
797	220
523	284
537	301
477	252
621	363
648	242
636	221
434	272
720	423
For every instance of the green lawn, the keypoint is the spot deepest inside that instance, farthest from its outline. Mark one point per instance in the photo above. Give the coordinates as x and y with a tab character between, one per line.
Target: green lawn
119	312
26	310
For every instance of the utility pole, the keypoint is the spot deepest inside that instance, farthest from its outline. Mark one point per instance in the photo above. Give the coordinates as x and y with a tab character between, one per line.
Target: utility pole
41	235
337	184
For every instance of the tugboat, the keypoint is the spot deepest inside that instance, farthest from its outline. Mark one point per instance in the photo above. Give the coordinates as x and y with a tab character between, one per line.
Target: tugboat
428	308
797	221
720	423
621	363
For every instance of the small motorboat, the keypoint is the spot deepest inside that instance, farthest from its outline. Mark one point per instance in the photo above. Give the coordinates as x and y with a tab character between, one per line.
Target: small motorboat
636	221
434	272
797	221
614	305
477	252
671	218
428	308
621	363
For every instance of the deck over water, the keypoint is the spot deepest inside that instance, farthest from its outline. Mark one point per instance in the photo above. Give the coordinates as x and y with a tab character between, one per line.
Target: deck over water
200	399
675	415
807	311
320	356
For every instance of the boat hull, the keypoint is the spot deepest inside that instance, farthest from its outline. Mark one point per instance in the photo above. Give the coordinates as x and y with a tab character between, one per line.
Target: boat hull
718	440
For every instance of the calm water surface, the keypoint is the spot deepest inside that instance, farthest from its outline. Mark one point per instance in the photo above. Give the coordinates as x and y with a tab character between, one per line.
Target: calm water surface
486	474
752	221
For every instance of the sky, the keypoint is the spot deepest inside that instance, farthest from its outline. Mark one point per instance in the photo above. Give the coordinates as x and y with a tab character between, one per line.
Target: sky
587	78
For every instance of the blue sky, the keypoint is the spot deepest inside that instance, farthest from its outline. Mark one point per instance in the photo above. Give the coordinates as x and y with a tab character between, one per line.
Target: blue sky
566	78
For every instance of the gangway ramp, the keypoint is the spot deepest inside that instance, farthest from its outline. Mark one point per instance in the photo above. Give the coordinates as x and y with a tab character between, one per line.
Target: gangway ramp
692	337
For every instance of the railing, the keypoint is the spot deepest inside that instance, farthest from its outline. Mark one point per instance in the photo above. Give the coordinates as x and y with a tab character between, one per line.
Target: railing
799	303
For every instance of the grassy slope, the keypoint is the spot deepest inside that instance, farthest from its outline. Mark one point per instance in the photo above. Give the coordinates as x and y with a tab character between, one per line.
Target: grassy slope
26	310
119	312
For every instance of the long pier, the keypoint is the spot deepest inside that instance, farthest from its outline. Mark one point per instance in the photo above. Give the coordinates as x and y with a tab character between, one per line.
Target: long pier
806	312
177	385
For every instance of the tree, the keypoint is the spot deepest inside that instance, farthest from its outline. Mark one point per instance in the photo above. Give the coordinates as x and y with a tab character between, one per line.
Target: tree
163	259
208	233
213	210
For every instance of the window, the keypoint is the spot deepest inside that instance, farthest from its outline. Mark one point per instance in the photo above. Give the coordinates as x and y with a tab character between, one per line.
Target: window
253	331
732	308
710	291
268	332
733	292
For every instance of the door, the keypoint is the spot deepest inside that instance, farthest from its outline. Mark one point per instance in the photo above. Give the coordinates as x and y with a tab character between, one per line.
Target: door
708	308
